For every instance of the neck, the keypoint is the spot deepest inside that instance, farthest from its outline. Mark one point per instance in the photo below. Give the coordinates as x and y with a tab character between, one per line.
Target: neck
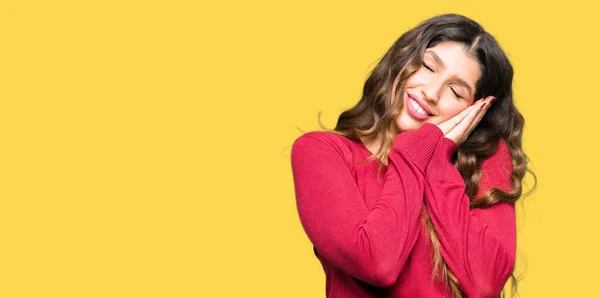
372	144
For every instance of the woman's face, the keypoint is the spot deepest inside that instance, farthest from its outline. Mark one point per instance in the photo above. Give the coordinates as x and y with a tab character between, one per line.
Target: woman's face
441	88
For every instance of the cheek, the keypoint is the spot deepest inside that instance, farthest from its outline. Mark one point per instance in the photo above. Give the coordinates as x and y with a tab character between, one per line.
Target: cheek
450	110
416	79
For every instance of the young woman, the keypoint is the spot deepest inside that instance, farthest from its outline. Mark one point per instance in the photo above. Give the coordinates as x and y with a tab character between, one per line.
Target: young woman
412	194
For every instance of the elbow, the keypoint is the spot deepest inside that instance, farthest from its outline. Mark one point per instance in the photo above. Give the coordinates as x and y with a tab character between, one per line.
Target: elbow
484	289
383	270
384	280
384	275
491	286
488	290
484	293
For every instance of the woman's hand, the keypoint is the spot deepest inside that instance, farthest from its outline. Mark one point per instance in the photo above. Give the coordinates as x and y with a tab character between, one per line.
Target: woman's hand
460	126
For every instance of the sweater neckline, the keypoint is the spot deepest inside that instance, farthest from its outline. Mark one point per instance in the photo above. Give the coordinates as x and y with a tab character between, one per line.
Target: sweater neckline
362	145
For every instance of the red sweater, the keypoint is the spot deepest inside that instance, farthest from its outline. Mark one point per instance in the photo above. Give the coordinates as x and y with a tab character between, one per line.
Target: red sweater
368	233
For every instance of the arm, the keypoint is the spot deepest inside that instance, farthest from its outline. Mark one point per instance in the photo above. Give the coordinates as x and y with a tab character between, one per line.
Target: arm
479	245
369	244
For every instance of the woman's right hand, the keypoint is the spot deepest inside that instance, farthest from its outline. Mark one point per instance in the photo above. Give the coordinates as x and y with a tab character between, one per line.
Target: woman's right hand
460	126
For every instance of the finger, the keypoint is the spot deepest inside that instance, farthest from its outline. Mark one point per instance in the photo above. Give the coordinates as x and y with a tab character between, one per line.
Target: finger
477	119
449	124
460	132
488	103
460	116
478	115
472	114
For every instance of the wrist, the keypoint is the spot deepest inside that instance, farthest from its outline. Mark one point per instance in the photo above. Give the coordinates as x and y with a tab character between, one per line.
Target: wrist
441	168
419	144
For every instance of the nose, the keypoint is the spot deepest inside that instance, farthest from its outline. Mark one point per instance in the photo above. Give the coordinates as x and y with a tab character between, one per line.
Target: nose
431	92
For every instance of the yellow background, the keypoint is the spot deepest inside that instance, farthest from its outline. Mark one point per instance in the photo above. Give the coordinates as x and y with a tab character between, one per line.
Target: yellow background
145	144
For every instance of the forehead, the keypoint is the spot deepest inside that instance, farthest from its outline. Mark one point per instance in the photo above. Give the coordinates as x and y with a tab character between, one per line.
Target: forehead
456	60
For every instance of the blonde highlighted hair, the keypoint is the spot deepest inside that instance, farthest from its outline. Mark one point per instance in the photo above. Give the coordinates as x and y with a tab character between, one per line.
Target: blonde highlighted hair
373	116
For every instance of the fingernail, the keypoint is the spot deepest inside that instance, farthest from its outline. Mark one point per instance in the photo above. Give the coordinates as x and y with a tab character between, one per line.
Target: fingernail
483	105
493	99
474	102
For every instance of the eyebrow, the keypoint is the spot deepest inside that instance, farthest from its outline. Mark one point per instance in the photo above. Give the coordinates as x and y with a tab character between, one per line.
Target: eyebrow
459	80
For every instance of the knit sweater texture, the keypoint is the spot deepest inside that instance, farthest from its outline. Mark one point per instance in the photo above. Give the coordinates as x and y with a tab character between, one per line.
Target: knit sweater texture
368	232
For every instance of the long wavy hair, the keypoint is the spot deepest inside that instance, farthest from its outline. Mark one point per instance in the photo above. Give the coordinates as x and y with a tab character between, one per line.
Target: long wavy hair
373	116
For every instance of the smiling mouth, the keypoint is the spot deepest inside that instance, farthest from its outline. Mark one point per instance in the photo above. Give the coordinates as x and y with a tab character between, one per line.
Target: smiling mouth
418	108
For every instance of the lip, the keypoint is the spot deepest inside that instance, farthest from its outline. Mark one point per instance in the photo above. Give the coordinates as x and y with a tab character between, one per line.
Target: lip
411	110
420	102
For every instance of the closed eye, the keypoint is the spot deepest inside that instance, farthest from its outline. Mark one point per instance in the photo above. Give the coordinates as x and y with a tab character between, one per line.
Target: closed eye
455	94
428	67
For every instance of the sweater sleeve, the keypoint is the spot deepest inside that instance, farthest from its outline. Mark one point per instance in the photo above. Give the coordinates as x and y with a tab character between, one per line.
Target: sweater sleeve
369	244
479	245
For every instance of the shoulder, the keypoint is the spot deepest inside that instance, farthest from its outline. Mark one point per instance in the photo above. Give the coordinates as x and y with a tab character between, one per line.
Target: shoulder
324	143
497	168
501	158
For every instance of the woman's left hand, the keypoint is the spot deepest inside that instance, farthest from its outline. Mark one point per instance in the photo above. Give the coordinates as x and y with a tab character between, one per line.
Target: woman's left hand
460	126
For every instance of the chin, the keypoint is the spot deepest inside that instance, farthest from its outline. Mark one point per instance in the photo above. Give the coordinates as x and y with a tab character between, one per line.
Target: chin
406	123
